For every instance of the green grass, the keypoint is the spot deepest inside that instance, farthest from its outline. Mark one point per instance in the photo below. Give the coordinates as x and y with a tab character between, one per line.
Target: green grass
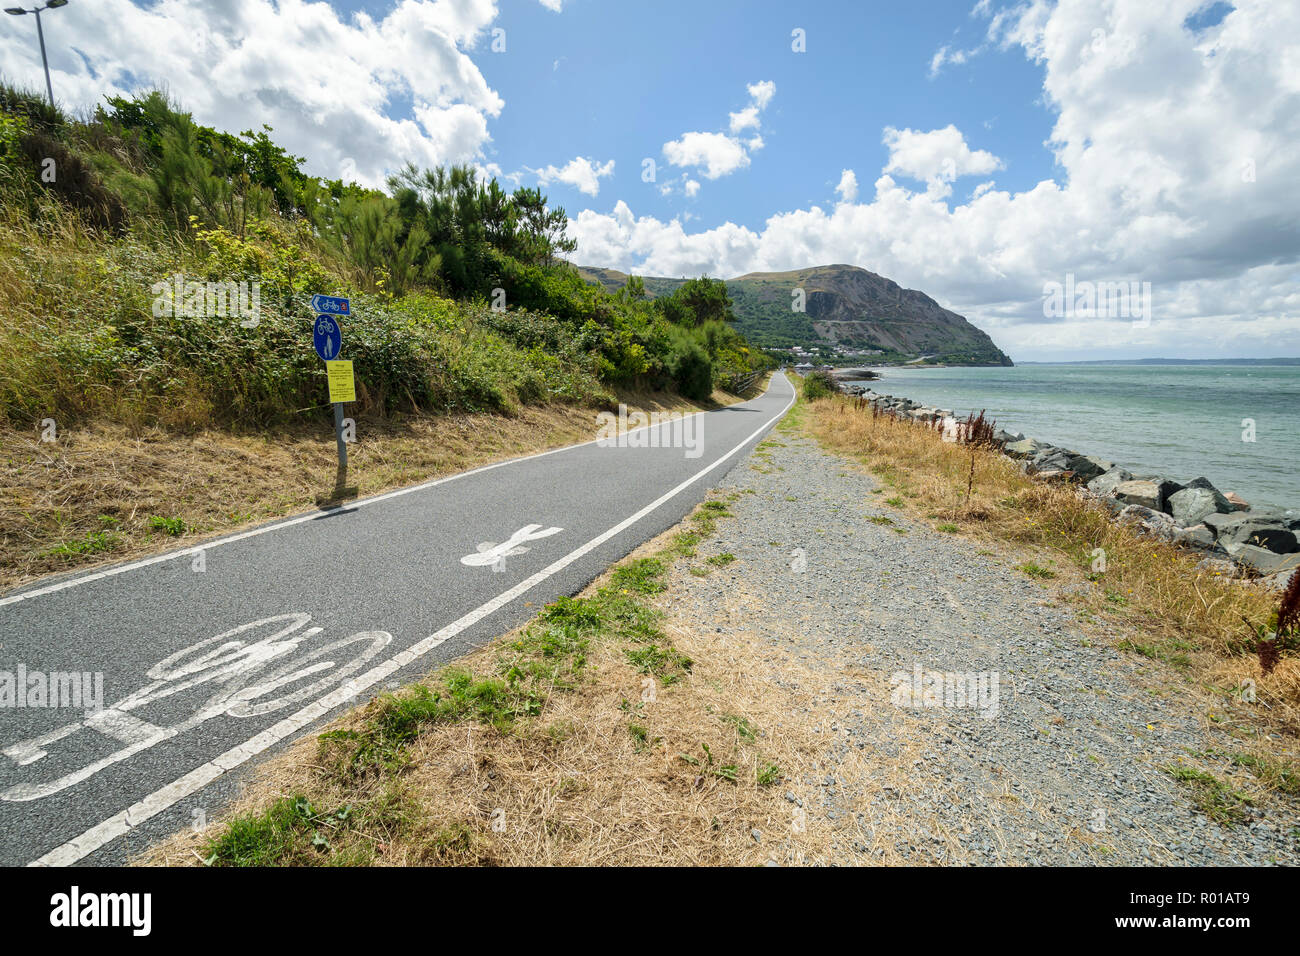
292	831
172	526
640	735
664	662
1278	773
722	560
1167	651
948	528
644	576
767	774
1035	570
1212	796
97	542
744	729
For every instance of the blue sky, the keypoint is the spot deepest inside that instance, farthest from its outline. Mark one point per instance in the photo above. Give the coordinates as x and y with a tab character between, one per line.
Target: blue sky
983	151
625	83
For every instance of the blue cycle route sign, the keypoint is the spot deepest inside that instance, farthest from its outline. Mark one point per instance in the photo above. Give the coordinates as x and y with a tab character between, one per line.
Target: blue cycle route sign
329	304
327	337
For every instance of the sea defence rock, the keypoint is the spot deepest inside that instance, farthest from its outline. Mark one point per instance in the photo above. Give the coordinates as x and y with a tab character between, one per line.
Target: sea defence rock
1088	467
1237	503
1154	523
1194	515
1139	491
1197	536
1249	528
1194	502
1024	448
1262	560
1106	483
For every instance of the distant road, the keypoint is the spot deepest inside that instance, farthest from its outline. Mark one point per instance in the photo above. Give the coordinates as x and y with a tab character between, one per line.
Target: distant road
211	660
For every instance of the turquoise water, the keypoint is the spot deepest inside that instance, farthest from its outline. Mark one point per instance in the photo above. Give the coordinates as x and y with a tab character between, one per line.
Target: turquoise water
1181	421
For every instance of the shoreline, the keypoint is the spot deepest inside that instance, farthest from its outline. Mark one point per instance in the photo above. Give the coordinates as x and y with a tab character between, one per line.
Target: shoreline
1234	536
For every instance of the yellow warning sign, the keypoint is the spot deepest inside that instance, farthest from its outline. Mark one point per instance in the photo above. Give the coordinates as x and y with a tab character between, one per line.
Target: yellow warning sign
342	385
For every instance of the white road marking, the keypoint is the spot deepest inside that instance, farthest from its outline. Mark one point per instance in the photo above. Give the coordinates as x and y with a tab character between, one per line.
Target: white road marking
278	526
244	690
489	553
115	826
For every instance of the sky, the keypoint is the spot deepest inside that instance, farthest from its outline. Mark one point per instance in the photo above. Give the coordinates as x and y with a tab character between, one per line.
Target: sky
987	153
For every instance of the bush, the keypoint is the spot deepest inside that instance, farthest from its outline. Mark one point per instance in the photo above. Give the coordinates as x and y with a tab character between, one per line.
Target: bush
819	384
80	338
691	369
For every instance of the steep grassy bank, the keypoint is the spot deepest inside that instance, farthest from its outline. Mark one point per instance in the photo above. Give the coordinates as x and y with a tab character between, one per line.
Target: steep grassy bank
461	300
157	375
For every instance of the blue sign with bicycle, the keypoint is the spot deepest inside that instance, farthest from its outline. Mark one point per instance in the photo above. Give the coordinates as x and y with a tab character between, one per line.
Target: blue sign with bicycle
329	304
327	337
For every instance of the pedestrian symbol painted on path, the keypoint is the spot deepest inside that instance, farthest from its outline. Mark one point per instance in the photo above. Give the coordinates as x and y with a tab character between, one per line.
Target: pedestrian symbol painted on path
492	554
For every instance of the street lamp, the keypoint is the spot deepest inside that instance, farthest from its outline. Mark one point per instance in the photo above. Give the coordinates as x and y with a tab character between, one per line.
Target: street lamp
49	5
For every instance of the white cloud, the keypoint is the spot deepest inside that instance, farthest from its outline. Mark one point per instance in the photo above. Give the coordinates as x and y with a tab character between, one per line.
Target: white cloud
936	158
761	93
556	5
745	119
580	173
946	54
848	187
692	187
716	153
1177	166
326	84
720	154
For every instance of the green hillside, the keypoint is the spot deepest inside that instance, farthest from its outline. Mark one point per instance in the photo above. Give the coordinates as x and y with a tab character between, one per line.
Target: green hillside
846	309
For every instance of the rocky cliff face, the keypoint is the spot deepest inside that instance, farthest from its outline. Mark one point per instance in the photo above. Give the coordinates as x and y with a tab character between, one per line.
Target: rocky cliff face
843	305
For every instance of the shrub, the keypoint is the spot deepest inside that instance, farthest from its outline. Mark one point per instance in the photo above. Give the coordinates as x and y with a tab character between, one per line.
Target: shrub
819	384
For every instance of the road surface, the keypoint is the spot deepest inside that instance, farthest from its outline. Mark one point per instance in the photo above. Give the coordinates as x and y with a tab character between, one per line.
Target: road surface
205	660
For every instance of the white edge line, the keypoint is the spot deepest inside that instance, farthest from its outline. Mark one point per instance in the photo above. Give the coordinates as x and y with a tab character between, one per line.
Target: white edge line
289	523
115	826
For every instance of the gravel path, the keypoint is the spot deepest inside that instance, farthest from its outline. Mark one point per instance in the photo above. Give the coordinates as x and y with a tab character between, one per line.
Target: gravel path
1066	771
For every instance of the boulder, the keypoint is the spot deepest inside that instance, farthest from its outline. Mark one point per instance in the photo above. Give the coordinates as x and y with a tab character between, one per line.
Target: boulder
1197	536
1259	530
1086	467
1278	582
1262	560
1053	460
1106	483
1153	488
1238	504
1194	502
1139	491
1024	448
1218	566
1154	523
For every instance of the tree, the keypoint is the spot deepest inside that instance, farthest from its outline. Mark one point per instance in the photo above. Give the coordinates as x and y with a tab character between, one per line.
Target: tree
699	301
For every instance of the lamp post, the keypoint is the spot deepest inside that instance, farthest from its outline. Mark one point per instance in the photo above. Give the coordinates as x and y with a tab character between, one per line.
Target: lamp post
49	5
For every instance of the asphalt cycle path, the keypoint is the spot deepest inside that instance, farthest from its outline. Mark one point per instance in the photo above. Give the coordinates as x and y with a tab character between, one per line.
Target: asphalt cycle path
166	679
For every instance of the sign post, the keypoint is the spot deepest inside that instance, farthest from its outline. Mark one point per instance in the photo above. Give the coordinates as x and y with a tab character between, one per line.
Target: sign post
327	338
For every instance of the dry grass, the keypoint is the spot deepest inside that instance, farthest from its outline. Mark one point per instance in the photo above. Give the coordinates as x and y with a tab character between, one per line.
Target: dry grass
1189	617
89	498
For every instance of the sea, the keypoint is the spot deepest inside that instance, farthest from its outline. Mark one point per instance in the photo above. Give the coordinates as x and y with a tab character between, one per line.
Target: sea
1237	425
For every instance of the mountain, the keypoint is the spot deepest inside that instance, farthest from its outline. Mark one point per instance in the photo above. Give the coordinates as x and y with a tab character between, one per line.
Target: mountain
843	306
